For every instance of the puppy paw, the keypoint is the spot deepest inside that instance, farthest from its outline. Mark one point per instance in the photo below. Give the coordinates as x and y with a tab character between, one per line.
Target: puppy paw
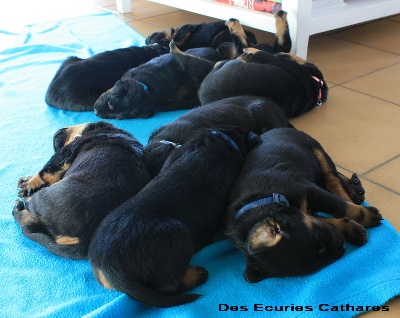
353	232
17	212
281	14
29	185
173	48
353	188
367	216
25	218
194	276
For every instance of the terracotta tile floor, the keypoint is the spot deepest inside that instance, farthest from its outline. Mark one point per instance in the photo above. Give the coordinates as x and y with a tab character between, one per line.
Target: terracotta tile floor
359	125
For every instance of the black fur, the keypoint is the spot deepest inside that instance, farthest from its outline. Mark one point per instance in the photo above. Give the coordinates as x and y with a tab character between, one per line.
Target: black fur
286	241
281	79
79	82
159	85
208	34
105	167
143	248
257	114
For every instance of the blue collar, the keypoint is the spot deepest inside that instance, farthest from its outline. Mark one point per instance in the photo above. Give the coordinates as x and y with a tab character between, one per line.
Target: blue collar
226	138
276	198
167	142
146	89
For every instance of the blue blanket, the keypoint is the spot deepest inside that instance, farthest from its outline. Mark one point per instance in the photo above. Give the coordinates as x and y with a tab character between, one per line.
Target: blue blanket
35	283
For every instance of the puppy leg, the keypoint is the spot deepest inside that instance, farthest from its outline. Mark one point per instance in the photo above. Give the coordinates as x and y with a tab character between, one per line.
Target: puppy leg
36	230
52	172
341	198
352	231
29	185
283	42
324	201
24	218
239	37
336	183
197	68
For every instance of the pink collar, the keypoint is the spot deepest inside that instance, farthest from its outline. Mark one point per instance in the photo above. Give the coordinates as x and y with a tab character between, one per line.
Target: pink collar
321	83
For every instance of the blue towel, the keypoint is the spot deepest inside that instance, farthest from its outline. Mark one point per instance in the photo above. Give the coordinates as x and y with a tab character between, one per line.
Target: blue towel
35	283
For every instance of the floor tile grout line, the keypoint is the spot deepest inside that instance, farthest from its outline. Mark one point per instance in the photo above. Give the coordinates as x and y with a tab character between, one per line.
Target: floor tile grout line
152	24
380	165
382	186
363	93
366	74
368	46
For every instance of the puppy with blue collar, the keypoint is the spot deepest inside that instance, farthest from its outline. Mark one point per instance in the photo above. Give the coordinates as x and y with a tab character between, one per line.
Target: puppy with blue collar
272	216
144	247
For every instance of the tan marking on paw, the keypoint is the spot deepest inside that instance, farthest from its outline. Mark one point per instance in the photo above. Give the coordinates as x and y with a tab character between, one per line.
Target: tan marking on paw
194	276
33	183
67	240
51	178
332	182
294	58
281	27
236	28
174	49
102	279
251	50
26	218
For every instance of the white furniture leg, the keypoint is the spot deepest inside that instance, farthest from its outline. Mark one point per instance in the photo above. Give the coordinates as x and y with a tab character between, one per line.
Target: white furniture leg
124	6
299	19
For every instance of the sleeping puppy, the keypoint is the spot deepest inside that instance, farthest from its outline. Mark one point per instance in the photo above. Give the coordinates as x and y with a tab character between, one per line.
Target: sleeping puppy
95	167
296	85
256	114
144	247
159	85
188	36
79	82
285	180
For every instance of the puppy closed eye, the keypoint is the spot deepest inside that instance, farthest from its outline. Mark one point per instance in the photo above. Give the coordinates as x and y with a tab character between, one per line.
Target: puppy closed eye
321	248
322	252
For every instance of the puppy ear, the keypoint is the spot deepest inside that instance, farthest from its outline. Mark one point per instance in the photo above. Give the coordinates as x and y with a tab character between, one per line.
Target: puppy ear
59	139
183	33
253	275
263	235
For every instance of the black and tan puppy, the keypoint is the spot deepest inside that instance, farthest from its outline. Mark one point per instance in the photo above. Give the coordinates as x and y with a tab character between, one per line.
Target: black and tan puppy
144	247
95	168
159	85
241	42
296	85
79	82
256	114
188	36
285	180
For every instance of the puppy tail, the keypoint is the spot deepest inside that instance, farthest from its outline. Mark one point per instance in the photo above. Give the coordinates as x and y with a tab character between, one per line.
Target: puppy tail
154	299
143	294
